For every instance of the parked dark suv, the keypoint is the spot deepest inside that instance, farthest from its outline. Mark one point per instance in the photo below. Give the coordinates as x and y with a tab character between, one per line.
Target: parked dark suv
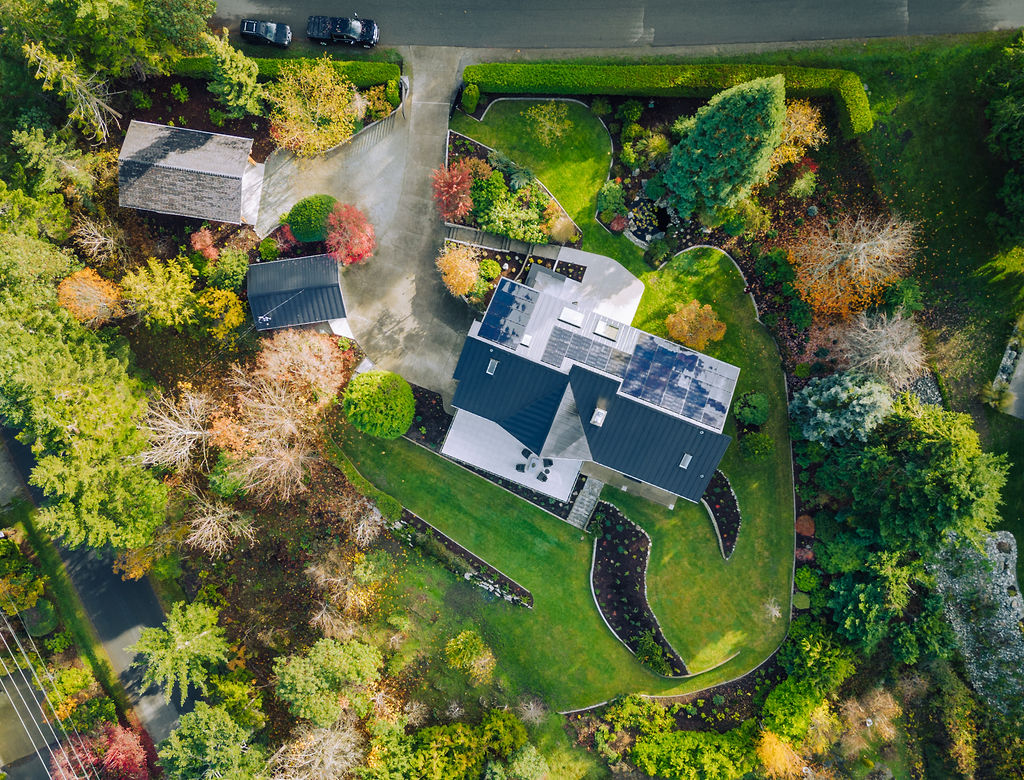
259	31
340	29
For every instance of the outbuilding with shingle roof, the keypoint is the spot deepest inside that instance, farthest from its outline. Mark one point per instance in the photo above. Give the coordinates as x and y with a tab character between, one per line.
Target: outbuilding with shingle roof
189	173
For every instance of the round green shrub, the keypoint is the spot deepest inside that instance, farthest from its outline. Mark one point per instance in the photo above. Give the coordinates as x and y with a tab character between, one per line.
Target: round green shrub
489	269
223	479
41	619
379	403
757	446
807	579
393	94
269	249
752	408
631	131
601	107
802	370
308	217
229	271
630	111
801	601
470	97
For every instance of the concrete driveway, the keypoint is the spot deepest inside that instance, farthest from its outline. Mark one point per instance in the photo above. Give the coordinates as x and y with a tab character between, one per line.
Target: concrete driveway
398	310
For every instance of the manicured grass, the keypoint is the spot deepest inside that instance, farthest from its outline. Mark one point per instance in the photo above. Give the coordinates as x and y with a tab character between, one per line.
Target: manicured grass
65	598
573	168
761	566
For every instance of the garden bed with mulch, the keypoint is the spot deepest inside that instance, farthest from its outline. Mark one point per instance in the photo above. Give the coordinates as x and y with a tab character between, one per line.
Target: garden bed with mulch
621	552
725	512
476	569
431	422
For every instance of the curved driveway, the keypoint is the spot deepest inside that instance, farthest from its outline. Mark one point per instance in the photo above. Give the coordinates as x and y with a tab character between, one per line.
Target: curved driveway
398	310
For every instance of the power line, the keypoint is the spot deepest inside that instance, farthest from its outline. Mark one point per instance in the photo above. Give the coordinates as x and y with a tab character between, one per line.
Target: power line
28	712
14	706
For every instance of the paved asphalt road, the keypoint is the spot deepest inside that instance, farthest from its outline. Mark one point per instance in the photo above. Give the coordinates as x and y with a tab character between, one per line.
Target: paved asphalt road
622	23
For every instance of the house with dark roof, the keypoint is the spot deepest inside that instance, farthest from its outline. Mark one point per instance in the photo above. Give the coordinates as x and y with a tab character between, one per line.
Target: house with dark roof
189	173
548	390
297	292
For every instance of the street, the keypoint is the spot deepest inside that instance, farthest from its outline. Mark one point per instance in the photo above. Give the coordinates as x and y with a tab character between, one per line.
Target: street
624	23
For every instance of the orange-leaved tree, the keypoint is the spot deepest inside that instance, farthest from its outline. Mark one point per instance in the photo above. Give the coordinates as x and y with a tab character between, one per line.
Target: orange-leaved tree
802	129
845	268
459	265
694	325
90	298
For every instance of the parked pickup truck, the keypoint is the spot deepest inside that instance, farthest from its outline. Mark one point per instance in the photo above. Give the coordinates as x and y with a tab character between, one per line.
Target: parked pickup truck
339	29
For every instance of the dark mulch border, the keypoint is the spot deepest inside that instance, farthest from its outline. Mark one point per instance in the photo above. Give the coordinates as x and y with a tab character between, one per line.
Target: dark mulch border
431	422
619	576
725	512
506	584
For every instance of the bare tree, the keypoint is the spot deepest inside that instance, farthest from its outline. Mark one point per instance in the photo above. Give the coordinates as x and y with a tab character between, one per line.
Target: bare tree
366	524
332	622
177	430
770	609
311	362
319	753
331	574
276	471
102	241
416	712
269	410
531	711
841	269
888	346
216	525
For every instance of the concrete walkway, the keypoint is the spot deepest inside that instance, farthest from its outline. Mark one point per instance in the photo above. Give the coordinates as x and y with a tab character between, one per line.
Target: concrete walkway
398	310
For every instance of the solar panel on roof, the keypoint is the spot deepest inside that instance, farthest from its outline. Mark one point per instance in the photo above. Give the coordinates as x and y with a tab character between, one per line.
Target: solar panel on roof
508	313
554	350
598	356
618	361
579	348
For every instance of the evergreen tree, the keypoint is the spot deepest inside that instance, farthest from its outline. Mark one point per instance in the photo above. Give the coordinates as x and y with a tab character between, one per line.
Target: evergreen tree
162	292
182	651
208	743
310	684
727	148
234	78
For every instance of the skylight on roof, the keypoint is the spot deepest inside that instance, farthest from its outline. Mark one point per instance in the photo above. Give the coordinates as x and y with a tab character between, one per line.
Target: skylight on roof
606	329
570	316
598	417
492	366
685	462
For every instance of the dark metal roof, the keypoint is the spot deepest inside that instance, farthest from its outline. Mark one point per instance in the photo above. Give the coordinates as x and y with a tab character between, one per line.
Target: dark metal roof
643	442
174	170
521	396
635	439
297	291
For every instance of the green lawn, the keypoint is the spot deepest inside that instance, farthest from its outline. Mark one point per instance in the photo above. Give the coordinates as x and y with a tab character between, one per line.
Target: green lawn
573	169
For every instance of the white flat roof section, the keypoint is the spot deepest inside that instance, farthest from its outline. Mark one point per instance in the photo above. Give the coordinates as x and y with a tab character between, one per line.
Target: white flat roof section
252	188
607	287
486	445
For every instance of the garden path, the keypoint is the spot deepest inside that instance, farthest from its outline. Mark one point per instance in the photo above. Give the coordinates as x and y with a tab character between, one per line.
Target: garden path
1017	387
397	307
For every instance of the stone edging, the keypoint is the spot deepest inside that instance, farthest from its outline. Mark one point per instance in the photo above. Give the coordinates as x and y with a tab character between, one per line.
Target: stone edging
714	524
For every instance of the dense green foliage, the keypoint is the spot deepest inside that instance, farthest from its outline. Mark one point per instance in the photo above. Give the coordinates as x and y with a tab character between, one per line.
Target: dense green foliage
308	218
696	755
360	72
379	403
840	408
229	271
161	291
208	743
20	582
1005	112
234	78
470	98
727	147
182	651
311	683
698	81
752	408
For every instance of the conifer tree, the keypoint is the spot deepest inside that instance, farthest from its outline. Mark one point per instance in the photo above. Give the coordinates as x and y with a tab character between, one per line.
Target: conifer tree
234	78
727	148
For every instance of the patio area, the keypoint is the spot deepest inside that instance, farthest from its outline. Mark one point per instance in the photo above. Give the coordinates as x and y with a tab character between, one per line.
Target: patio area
486	445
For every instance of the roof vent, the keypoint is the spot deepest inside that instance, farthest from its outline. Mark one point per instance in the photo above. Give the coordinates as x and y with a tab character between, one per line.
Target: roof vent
685	462
598	417
570	316
492	367
526	339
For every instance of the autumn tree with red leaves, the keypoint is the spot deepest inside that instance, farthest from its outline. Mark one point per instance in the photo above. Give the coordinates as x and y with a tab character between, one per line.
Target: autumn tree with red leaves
451	190
202	242
123	756
350	236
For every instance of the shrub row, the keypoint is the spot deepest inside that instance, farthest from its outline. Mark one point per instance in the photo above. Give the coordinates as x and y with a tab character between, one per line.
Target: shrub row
360	73
388	505
697	81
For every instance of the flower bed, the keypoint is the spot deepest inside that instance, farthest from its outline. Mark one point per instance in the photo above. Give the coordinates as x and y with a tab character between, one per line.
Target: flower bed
431	422
725	512
618	578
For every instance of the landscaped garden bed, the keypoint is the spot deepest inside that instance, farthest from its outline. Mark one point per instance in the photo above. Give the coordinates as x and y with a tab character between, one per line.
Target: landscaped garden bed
621	551
725	512
431	422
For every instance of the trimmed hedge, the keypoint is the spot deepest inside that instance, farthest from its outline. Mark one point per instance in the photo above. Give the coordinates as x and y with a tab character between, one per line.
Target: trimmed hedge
360	73
698	81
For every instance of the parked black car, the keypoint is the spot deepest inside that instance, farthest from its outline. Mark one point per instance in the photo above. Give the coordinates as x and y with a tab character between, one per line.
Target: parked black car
259	31
340	29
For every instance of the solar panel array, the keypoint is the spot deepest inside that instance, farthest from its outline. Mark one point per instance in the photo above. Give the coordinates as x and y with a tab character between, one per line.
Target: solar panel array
508	314
686	383
565	343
